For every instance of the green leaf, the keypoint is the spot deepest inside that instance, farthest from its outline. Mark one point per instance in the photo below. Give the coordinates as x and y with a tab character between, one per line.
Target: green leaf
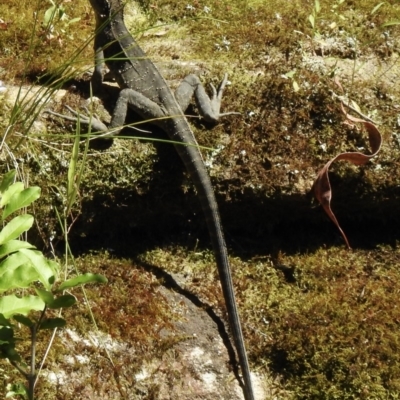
4	321
72	189
52	323
12	262
74	20
11	305
7	344
55	267
7	180
53	278
64	301
23	320
391	23
17	271
291	73
49	14
16	187
312	20
317	6
25	266
16	389
45	295
20	277
6	335
21	199
12	246
15	227
81	280
46	269
377	7
56	302
11	353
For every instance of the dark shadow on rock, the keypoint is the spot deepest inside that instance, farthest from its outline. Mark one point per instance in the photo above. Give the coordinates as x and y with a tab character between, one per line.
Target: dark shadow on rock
254	225
169	282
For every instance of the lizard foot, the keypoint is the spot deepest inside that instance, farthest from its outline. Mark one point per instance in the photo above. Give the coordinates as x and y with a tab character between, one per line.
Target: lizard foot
216	97
209	108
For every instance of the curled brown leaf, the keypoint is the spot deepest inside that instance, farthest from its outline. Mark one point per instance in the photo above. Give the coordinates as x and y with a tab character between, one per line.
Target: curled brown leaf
322	187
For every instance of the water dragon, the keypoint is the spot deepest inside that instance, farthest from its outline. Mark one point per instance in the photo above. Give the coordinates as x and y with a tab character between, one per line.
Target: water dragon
144	90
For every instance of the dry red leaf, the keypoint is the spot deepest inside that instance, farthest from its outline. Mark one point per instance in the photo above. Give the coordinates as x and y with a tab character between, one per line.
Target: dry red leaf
322	187
4	24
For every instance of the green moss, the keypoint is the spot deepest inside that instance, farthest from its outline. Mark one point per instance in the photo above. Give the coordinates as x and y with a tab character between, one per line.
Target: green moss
34	50
334	332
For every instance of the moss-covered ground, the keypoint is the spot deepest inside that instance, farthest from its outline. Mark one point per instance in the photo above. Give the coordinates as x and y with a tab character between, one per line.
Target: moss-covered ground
321	319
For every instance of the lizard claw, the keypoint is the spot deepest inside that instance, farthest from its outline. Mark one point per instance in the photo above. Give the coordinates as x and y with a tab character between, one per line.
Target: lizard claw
221	87
213	91
217	94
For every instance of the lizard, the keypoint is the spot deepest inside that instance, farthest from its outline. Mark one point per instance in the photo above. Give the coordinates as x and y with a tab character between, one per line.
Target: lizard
144	90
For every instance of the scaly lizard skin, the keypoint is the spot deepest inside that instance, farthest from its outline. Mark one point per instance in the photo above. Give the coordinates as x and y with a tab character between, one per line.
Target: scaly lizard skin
145	91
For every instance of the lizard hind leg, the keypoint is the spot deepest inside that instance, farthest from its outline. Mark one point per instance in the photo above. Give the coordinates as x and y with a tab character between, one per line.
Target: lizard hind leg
209	108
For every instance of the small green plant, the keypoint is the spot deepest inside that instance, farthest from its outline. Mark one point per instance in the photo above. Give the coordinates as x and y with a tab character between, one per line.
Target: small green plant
30	283
316	15
56	22
312	18
290	75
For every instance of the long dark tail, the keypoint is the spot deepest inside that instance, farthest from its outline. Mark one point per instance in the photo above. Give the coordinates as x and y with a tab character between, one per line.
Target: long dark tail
200	177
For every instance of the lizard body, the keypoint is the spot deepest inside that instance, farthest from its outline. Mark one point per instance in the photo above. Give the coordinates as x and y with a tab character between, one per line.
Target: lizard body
145	91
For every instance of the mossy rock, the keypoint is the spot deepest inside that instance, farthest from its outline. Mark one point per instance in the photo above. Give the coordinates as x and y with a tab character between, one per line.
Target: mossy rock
321	319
